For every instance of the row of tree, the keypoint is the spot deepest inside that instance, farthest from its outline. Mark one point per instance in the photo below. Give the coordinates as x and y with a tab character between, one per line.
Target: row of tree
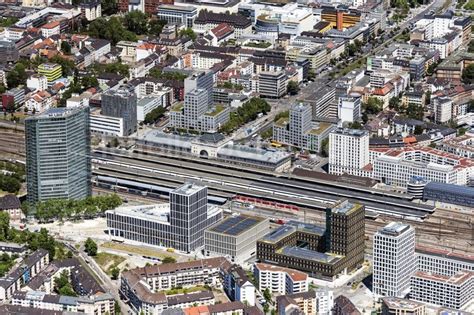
246	113
73	209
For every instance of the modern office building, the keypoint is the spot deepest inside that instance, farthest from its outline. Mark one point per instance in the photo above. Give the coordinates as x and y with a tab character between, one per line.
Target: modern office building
299	131
443	262
454	291
443	278
394	260
398	166
280	280
52	71
179	225
321	252
348	151
121	103
57	154
235	237
197	114
177	14
443	109
200	80
349	108
272	84
323	102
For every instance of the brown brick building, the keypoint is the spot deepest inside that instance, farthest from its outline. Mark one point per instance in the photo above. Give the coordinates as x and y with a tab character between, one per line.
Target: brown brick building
321	252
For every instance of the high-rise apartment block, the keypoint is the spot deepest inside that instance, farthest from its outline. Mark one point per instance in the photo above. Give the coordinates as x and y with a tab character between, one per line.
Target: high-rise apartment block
200	80
197	114
179	225
299	131
394	260
121	103
348	151
57	154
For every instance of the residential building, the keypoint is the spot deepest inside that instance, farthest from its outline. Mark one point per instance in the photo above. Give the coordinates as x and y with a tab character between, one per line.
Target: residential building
21	275
11	205
319	301
50	29
8	51
280	280
177	14
39	101
238	286
348	151
299	131
52	71
180	224
349	108
329	251
13	98
37	82
394	259
121	103
236	308
235	237
12	248
462	146
100	304
395	306
143	286
443	109
50	175
272	84
92	9
344	306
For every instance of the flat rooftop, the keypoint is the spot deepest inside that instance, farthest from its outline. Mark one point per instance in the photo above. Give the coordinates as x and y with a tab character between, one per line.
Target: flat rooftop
235	225
304	253
394	228
292	227
345	207
188	189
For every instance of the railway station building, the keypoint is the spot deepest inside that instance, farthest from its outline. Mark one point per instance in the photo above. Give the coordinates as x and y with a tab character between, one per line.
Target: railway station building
322	252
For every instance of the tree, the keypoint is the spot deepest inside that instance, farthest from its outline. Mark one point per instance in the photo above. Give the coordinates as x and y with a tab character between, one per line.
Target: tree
414	111
293	88
470	108
65	48
111	29
67	65
168	260
17	76
468	74
188	32
154	115
373	106
155	27
90	247
89	81
394	103
267	295
266	308
325	147
109	7
4	224
418	130
115	273
136	22
3	89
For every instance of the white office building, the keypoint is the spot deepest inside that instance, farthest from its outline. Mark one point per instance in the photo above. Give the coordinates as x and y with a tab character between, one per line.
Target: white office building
106	125
349	108
393	259
348	151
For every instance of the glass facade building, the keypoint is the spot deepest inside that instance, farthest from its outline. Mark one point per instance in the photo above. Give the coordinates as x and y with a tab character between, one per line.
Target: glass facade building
121	103
57	154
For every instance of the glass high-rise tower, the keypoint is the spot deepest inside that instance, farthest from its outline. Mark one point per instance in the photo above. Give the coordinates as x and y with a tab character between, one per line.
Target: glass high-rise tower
58	154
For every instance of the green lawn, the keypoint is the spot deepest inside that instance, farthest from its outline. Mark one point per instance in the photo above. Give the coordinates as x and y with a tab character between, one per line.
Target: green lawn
108	261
